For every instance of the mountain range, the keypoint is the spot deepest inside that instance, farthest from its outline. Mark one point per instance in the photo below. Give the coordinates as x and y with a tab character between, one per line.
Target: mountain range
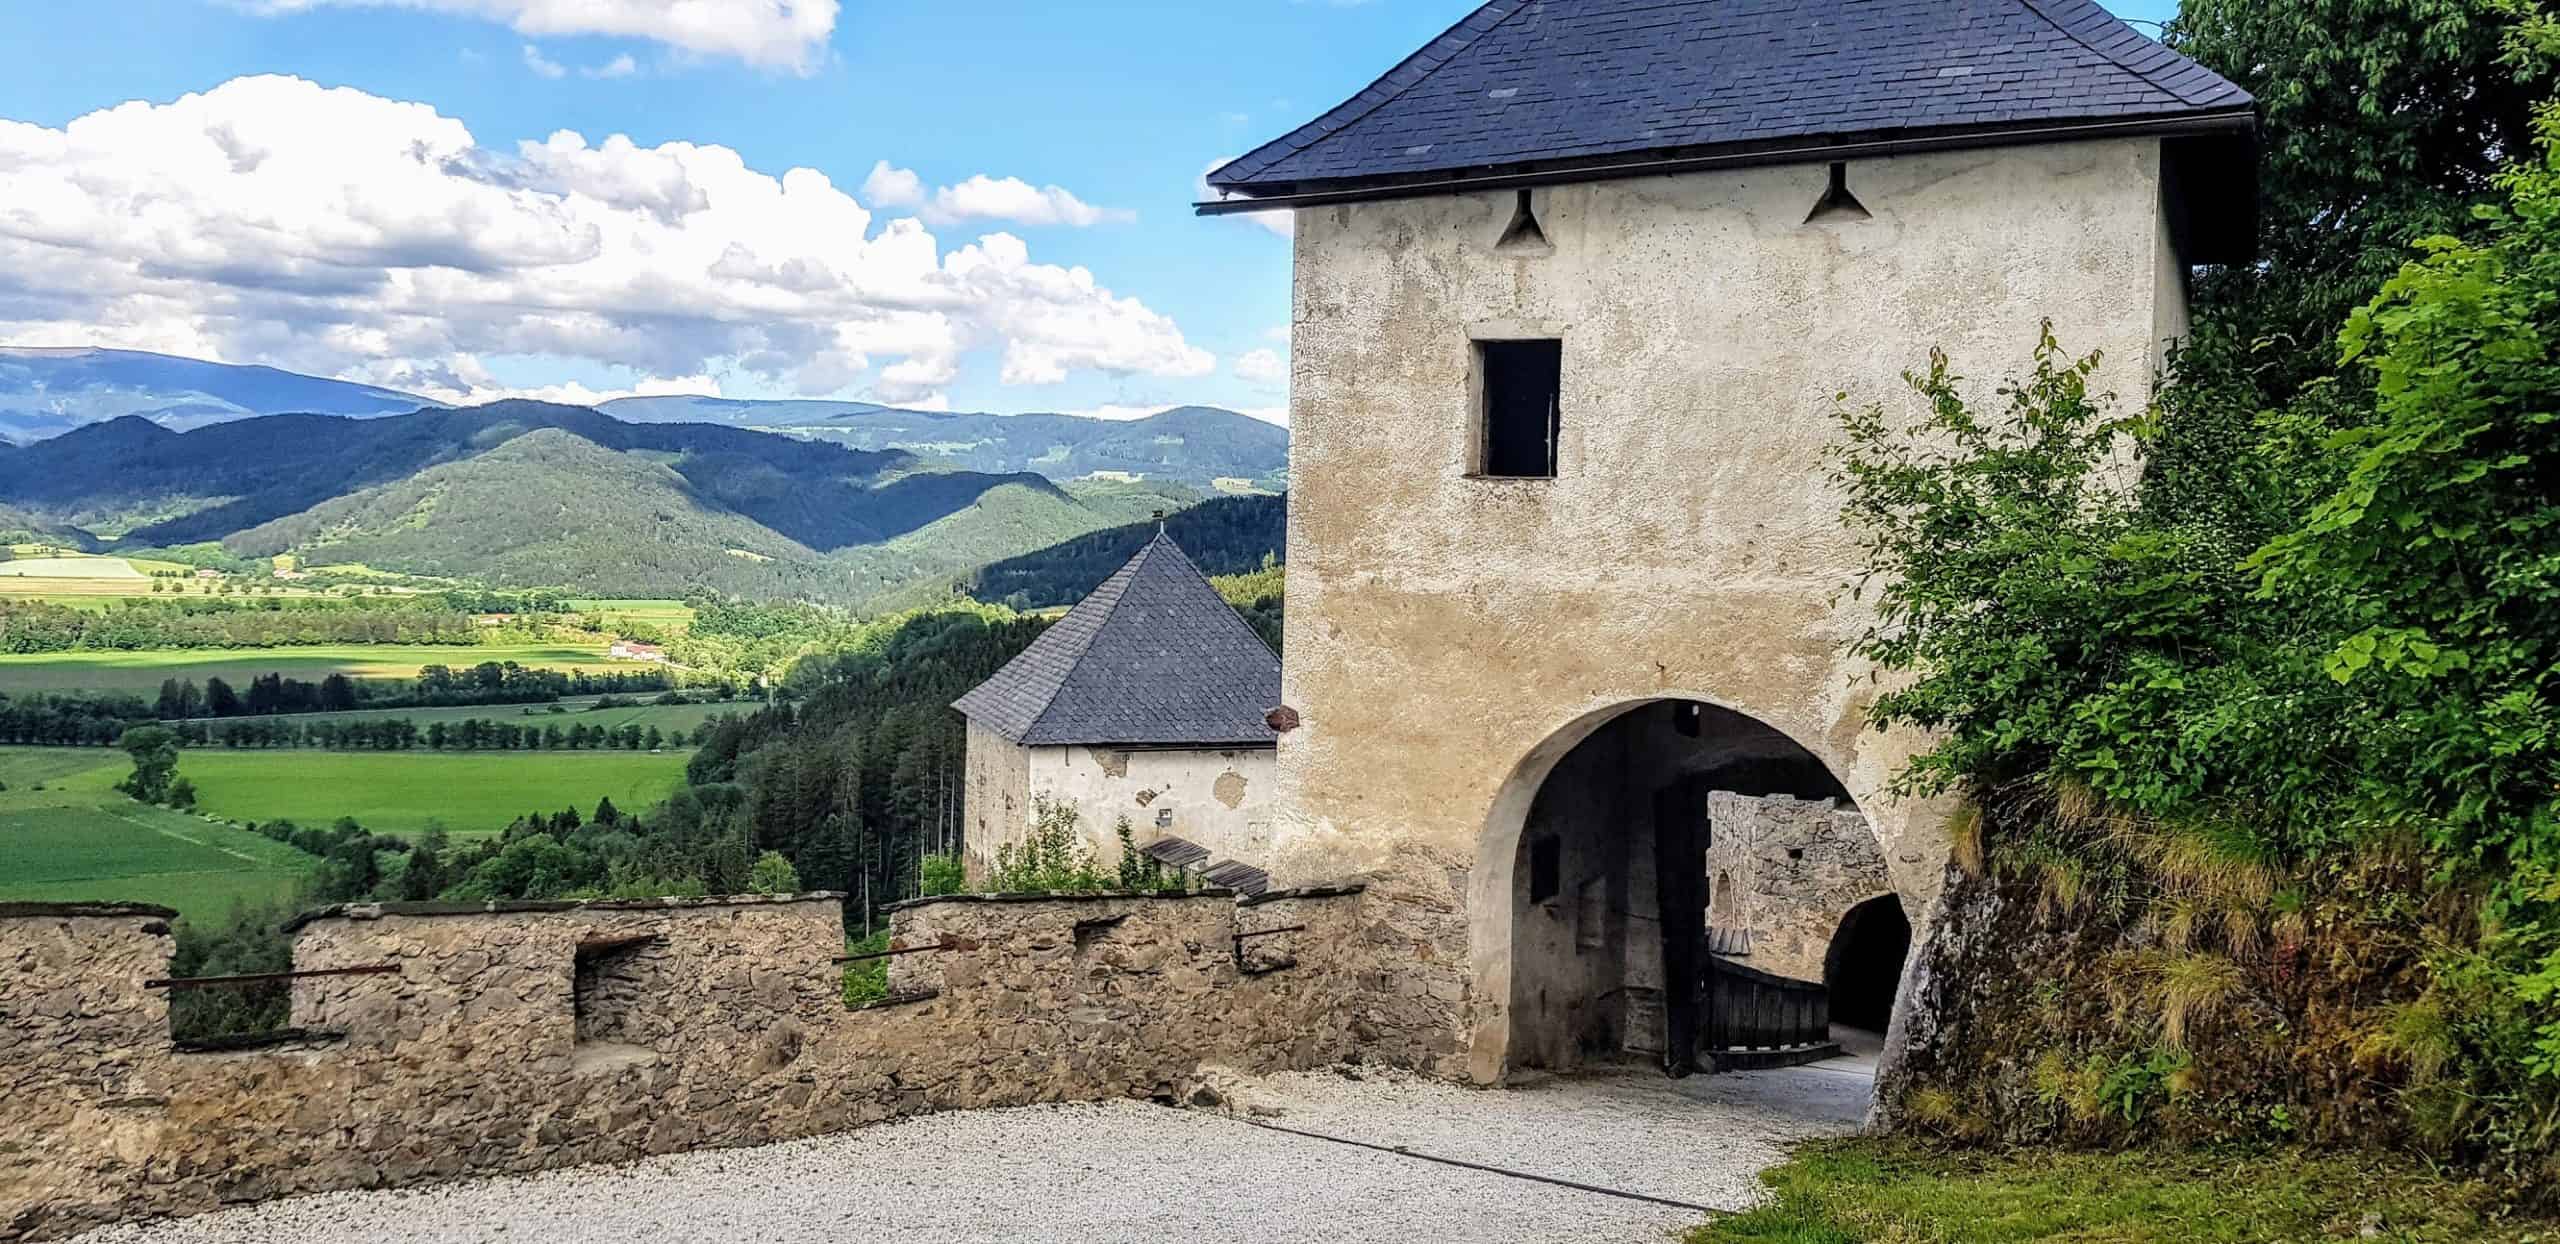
47	392
530	494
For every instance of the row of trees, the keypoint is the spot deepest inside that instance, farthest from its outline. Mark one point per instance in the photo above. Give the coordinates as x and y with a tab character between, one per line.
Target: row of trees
436	686
402	734
69	720
141	625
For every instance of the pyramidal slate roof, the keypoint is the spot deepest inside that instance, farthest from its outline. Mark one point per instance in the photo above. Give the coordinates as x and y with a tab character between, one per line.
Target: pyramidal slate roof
1153	657
1551	83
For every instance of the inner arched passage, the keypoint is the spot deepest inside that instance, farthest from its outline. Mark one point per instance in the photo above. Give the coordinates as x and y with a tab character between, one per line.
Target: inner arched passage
1678	866
1864	965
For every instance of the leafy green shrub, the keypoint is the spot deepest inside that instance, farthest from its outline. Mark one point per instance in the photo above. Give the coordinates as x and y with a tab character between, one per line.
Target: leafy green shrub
942	872
772	874
867	981
2303	681
1051	857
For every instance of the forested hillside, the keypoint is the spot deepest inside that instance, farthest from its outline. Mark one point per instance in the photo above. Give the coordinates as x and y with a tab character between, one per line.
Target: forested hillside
524	494
1225	536
1196	445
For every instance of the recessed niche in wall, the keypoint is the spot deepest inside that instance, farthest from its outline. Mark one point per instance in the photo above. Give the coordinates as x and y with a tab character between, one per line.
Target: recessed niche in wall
619	996
1836	202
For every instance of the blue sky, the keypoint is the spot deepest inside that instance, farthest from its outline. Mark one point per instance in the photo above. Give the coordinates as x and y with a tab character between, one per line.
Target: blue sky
397	231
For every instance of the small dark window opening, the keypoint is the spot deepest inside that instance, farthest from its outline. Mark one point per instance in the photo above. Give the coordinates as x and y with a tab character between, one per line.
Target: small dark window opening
1836	200
1546	869
1689	719
1523	392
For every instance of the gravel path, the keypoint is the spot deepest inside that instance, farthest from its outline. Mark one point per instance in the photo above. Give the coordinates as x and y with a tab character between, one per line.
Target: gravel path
1128	1172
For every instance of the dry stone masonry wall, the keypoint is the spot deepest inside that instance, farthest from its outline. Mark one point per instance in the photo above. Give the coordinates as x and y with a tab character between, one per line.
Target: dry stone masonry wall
1786	870
519	1037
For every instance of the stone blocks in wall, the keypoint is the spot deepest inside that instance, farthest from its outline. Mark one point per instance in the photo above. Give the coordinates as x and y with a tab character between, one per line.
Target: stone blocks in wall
518	1037
1787	870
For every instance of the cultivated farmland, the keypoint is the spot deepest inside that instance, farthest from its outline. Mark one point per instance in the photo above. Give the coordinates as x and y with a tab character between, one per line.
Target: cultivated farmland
469	793
76	838
142	672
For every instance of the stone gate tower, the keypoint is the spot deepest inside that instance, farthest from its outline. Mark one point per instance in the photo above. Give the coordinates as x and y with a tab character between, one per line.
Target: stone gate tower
1577	288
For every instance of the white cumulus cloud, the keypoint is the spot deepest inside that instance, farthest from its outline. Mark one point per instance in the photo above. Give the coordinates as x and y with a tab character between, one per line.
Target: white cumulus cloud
326	230
985	198
772	34
1262	367
1279	220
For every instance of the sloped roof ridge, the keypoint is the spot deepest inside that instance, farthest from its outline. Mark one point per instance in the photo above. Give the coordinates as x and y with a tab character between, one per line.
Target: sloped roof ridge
2083	13
1438	52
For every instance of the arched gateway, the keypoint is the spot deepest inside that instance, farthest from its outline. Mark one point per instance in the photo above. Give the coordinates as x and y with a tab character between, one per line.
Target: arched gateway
1677	870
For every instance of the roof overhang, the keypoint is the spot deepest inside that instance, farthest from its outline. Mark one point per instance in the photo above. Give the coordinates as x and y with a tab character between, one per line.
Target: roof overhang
2221	144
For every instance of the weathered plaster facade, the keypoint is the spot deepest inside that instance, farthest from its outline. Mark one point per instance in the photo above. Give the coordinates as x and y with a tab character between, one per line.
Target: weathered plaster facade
1218	798
1450	638
480	1053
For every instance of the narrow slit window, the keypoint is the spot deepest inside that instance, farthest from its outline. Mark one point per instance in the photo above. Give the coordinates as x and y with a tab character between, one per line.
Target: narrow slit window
1523	391
1546	869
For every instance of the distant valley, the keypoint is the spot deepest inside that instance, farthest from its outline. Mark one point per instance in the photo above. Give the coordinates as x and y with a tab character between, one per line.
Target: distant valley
46	392
854	505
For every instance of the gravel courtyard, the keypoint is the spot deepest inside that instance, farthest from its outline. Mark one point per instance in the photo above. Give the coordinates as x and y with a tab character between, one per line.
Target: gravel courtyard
1125	1171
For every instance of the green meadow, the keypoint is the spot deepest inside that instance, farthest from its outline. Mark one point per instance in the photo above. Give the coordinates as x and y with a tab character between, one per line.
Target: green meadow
65	834
143	671
469	793
576	711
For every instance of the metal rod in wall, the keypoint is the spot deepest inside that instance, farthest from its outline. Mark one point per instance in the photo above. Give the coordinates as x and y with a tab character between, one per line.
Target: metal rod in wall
261	978
901	950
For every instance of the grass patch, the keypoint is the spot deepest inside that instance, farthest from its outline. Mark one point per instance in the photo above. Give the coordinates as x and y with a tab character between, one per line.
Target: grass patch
868	981
77	839
142	672
1902	1192
469	793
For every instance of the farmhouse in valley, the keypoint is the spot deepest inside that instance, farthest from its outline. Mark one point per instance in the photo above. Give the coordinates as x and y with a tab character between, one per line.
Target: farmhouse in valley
635	650
1147	702
1576	287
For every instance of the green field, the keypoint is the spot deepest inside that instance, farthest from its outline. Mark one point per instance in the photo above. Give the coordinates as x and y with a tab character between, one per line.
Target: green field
577	711
672	616
469	793
76	838
143	671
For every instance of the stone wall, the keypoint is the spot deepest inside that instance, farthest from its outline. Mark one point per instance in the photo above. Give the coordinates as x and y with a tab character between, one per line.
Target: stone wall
723	1024
1786	870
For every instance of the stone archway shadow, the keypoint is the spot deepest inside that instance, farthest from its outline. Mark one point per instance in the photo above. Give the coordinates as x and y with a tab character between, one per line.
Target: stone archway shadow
1495	873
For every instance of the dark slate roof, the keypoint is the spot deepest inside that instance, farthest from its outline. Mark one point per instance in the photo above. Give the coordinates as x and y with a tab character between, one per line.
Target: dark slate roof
1537	82
1153	657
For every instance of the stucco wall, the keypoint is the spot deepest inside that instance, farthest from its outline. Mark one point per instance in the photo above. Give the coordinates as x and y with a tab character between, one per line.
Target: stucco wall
468	1059
1450	637
996	796
1218	799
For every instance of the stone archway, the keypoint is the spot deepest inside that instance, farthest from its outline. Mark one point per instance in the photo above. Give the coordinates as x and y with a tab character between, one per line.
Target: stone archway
1591	909
1862	970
